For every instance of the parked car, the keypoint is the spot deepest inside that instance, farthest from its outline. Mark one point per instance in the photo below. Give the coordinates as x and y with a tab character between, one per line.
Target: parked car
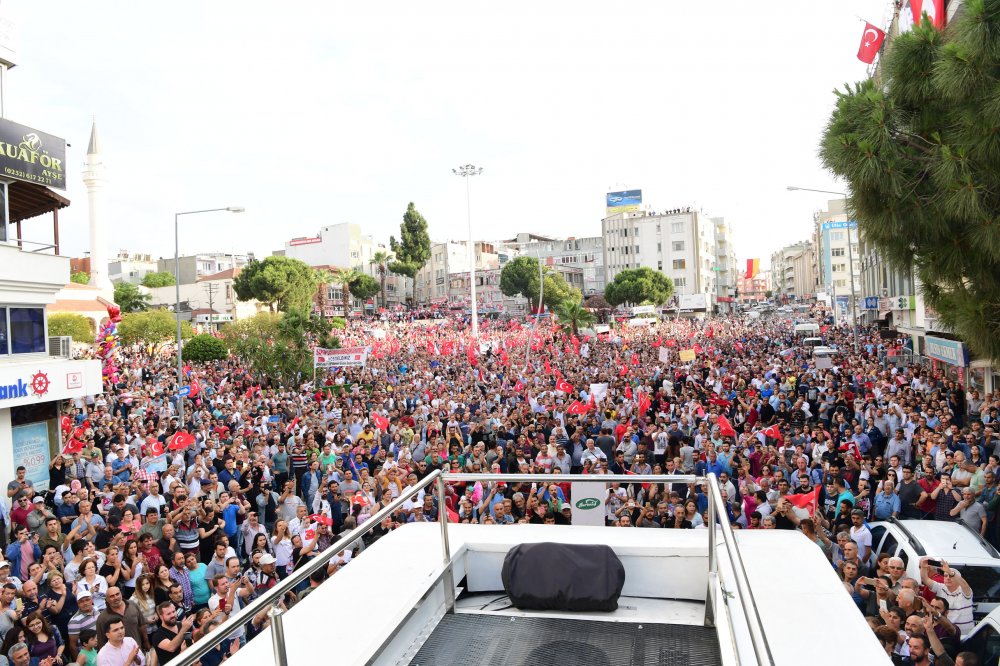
963	549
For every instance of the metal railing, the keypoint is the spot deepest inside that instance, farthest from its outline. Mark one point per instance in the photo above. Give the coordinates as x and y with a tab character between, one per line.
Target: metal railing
270	599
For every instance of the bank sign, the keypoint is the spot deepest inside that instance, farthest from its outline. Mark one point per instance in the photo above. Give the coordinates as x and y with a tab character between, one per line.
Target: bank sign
947	351
32	156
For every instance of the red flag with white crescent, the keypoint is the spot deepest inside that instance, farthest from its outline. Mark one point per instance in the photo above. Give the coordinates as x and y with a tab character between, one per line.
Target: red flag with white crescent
871	42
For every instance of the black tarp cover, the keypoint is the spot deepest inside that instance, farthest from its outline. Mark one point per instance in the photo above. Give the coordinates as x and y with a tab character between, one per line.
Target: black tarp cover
560	576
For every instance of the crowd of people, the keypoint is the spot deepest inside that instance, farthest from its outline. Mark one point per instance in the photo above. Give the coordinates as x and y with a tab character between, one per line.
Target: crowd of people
153	530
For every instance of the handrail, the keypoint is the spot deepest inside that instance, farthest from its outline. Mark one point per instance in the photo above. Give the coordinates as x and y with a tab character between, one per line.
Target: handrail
276	593
762	651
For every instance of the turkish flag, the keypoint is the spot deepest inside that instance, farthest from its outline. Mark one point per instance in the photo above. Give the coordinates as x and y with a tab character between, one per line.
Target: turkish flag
85	425
157	448
320	519
73	446
671	343
195	388
635	359
548	367
564	386
623	371
934	10
381	422
628	392
726	428
644	403
518	386
710	333
180	441
659	341
697	348
291	426
66	423
578	408
871	41
805	504
773	432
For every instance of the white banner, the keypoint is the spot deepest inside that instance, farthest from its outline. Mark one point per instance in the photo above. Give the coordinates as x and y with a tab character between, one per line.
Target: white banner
588	503
664	355
339	358
599	391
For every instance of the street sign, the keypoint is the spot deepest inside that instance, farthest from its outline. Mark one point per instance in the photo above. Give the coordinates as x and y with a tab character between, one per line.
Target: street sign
184	392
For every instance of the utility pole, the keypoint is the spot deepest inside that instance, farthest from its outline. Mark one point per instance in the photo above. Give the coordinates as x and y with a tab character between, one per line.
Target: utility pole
210	289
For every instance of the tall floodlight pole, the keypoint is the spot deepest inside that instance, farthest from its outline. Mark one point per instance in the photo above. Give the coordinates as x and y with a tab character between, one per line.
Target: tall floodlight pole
177	303
466	171
850	259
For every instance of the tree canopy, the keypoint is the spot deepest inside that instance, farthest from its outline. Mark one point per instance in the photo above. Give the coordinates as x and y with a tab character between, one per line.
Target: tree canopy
130	298
413	248
573	316
152	326
78	327
282	283
639	285
519	277
158	279
279	345
205	347
920	151
80	277
364	286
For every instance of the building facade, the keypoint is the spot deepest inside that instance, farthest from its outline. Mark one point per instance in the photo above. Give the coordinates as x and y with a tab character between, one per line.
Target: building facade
679	243
586	254
346	246
838	256
792	277
727	277
208	303
195	266
451	257
131	267
754	290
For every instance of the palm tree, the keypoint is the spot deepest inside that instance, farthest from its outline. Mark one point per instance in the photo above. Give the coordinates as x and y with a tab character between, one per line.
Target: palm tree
344	277
380	260
572	316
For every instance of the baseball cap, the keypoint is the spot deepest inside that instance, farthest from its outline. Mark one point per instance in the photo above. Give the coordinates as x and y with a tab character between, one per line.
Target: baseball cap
267	558
83	594
38	498
4	564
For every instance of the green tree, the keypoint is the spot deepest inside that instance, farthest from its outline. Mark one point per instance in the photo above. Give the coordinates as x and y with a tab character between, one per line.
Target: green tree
572	316
639	285
381	260
130	298
413	248
158	279
279	346
80	277
202	348
364	286
920	151
151	327
519	277
78	327
282	283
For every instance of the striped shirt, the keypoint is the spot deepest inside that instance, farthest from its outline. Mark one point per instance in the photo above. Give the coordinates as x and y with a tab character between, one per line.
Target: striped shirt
960	606
79	622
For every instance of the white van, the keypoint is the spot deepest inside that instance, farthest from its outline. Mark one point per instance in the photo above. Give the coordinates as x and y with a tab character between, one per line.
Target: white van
807	330
812	342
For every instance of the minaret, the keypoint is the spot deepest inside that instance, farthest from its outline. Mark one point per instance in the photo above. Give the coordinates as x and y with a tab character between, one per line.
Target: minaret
93	178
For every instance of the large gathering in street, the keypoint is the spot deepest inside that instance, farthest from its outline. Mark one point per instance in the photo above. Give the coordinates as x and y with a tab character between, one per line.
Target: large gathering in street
285	378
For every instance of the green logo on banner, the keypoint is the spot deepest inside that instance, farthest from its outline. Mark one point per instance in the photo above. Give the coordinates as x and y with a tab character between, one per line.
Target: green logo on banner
588	503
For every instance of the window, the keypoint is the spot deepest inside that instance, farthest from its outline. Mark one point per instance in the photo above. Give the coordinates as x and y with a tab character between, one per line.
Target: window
659	265
680	282
837	252
26	330
840	283
839	268
680	264
678	246
836	235
333	294
677	227
636	251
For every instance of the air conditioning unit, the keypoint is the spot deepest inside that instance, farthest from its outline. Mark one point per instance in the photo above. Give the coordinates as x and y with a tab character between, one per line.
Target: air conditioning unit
61	346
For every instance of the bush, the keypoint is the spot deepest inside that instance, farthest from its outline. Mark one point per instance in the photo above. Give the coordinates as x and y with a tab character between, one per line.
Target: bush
203	348
80	328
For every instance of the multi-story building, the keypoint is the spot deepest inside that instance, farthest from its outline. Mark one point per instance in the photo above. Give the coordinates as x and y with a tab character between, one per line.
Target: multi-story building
447	258
131	267
208	303
680	243
727	277
791	272
754	290
838	255
195	266
587	254
346	246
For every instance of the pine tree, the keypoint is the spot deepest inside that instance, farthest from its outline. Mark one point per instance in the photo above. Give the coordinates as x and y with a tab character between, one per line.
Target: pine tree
920	149
413	248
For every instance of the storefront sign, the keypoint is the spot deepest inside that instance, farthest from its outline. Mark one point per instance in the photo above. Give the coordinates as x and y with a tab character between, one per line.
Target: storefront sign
32	156
948	351
870	303
31	449
30	383
588	503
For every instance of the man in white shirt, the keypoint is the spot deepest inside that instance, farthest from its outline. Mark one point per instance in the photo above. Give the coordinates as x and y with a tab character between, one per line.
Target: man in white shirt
120	650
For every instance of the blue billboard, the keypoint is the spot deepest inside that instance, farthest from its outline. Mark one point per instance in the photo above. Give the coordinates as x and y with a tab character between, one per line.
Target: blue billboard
623	202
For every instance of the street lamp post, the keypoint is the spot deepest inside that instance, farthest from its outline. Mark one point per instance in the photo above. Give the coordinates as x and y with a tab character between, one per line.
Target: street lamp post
177	297
466	171
850	259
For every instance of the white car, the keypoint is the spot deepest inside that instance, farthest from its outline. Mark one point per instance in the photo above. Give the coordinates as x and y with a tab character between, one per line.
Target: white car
962	548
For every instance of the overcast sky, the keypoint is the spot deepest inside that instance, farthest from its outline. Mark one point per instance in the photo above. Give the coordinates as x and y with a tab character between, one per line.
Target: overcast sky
316	113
